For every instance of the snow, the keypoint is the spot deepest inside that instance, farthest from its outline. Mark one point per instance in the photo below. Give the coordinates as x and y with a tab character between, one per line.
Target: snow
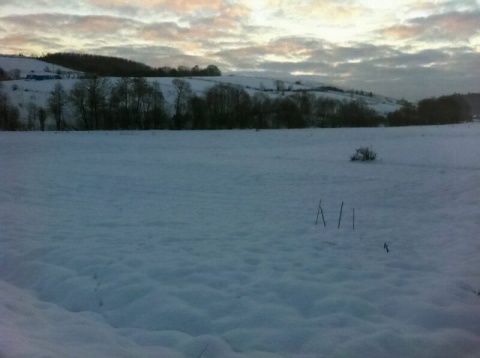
27	65
204	244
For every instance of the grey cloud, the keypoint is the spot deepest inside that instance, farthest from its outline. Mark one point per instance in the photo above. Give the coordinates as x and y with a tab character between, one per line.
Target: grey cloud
456	26
363	51
403	59
170	31
455	5
156	56
102	28
29	4
59	23
453	25
153	55
416	75
381	69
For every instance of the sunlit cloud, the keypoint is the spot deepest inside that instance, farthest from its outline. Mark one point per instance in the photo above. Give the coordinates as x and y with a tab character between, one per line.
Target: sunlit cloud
180	6
334	13
348	42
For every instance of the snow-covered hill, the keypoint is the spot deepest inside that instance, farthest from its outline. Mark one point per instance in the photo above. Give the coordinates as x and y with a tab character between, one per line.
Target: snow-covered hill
24	91
28	65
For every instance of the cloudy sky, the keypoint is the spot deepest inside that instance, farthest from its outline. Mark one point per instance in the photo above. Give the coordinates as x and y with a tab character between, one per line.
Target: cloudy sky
402	48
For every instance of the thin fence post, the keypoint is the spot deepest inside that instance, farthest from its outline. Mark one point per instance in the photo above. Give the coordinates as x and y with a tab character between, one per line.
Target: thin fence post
318	212
353	220
340	217
323	217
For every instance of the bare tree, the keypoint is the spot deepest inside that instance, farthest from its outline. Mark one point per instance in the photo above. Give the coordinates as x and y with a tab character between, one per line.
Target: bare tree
78	102
157	113
97	89
261	110
280	86
120	102
200	118
325	110
183	92
56	104
9	114
229	106
32	109
140	100
42	117
88	98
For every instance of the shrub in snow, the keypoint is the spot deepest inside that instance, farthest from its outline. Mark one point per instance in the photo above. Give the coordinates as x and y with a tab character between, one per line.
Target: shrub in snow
363	154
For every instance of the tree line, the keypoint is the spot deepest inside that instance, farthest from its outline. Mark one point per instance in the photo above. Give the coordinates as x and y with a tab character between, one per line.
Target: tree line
100	103
95	103
109	66
134	103
431	111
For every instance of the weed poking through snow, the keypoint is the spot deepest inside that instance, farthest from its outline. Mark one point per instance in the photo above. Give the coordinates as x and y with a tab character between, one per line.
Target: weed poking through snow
363	154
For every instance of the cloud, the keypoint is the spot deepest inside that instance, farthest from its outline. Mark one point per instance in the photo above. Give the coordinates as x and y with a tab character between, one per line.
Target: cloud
383	69
441	6
339	12
426	58
161	31
96	32
65	24
452	26
178	7
210	27
394	48
286	50
157	55
225	20
78	31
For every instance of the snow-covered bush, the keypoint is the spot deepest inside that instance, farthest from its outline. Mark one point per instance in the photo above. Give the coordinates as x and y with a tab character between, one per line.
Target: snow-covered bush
363	154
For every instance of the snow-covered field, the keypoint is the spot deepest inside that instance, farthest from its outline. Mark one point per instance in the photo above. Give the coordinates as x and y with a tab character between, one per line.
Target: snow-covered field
204	244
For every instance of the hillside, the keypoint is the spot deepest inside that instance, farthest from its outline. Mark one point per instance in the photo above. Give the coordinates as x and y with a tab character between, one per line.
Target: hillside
110	66
23	91
29	65
101	65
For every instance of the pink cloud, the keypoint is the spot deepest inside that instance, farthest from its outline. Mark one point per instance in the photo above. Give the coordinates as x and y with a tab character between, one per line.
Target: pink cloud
330	11
458	26
177	6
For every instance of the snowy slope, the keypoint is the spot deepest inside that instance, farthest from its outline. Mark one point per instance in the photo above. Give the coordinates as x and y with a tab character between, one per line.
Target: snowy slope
22	92
204	244
28	65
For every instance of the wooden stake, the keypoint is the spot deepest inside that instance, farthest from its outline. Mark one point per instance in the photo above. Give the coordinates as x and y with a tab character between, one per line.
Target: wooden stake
353	223
323	217
340	217
318	212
